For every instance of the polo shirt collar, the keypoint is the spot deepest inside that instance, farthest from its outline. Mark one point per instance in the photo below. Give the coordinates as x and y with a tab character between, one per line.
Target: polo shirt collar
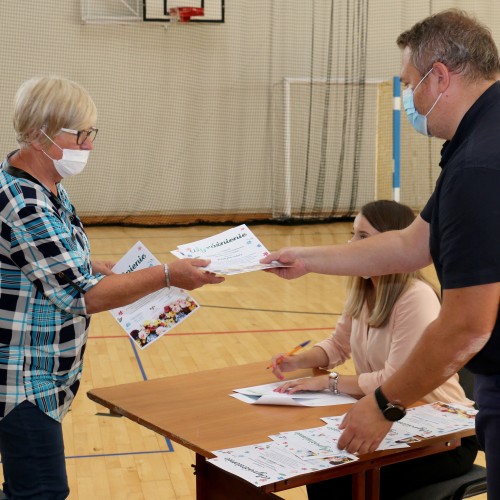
484	102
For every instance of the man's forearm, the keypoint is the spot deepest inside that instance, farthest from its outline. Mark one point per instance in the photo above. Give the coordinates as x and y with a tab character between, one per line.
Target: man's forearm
385	253
433	361
461	330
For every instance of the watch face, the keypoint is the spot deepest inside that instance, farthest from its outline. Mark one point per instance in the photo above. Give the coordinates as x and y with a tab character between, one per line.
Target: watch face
394	413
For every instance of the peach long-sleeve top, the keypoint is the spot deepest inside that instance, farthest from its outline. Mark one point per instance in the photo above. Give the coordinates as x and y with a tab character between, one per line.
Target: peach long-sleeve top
378	352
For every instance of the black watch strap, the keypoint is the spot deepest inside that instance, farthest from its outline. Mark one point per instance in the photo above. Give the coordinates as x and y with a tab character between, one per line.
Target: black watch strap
391	411
382	401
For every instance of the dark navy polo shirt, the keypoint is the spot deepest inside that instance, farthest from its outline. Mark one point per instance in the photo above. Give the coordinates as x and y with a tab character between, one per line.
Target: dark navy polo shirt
464	211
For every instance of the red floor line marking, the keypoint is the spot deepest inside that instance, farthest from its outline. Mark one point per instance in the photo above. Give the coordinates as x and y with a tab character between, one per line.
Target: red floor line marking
220	333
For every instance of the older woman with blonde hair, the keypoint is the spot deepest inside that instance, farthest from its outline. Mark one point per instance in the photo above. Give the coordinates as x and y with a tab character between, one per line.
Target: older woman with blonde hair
49	285
383	319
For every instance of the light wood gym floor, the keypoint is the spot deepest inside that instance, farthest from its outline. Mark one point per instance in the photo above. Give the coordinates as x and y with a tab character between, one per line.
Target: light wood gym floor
247	318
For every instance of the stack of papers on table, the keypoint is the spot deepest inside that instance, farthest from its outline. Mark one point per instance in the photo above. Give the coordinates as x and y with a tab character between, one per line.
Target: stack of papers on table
234	251
265	395
437	419
267	463
293	453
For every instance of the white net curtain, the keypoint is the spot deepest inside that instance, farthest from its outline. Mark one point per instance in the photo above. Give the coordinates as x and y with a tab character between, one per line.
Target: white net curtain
282	112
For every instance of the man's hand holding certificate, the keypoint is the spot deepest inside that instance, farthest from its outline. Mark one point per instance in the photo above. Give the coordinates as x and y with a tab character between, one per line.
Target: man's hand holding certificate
234	251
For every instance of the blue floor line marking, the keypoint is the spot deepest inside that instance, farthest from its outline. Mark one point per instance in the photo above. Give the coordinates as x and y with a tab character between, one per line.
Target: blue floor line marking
132	343
99	455
144	377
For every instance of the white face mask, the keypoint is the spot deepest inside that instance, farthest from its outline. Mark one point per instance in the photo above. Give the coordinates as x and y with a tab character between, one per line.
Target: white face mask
73	161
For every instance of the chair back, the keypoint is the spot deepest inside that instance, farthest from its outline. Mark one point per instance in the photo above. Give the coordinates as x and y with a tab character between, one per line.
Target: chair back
466	380
471	483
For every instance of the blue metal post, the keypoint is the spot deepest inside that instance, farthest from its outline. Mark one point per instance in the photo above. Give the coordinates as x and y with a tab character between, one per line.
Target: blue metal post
396	138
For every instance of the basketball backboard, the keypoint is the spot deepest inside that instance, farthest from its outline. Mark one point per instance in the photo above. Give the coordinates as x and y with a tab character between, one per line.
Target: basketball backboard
158	10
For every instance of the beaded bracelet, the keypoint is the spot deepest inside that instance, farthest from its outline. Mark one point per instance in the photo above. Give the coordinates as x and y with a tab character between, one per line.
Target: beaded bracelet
167	275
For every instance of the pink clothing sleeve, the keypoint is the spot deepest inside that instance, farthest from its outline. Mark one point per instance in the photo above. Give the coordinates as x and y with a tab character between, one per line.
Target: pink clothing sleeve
378	352
412	313
338	345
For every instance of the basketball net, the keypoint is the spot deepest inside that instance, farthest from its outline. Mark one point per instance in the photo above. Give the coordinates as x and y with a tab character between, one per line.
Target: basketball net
184	14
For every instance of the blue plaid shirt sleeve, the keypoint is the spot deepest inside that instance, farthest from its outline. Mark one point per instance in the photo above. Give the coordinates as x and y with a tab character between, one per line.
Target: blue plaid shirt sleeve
51	257
45	271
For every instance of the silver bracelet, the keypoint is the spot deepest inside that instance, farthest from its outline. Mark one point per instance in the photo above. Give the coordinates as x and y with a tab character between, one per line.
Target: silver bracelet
167	275
333	382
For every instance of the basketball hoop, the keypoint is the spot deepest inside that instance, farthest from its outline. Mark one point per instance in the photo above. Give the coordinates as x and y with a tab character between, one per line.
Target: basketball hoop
184	14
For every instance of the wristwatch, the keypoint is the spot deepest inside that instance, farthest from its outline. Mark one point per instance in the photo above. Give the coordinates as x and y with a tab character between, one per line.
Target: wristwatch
333	382
391	411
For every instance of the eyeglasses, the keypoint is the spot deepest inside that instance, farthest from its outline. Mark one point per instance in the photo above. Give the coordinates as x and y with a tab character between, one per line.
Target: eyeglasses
82	135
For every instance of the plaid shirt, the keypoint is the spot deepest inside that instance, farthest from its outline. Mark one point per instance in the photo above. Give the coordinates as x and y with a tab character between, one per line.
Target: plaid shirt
45	271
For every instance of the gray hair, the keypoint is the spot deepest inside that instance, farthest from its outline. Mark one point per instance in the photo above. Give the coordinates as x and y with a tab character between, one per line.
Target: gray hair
455	39
50	103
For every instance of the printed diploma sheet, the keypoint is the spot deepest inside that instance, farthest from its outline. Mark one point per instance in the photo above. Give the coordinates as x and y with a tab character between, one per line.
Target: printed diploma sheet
147	319
293	453
234	251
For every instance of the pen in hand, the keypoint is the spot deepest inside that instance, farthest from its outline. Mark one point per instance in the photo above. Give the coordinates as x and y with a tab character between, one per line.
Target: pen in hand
292	352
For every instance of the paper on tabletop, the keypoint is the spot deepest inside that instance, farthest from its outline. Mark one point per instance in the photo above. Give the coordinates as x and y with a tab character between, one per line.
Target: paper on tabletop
264	394
298	452
267	463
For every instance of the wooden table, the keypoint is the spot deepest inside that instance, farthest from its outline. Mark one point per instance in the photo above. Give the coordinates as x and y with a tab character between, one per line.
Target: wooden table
195	411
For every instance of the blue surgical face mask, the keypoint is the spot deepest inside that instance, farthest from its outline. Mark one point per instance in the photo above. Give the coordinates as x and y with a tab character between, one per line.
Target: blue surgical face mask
418	121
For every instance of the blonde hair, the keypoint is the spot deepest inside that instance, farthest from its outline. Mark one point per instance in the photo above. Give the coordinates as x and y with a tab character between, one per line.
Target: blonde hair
383	215
50	103
387	293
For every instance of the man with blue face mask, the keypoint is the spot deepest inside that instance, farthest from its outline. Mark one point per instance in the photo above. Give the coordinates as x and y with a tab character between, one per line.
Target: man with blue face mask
418	121
452	64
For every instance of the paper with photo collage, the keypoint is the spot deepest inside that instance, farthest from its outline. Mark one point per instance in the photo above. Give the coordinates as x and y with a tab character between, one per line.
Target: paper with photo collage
148	319
436	419
313	443
397	437
424	421
267	463
307	450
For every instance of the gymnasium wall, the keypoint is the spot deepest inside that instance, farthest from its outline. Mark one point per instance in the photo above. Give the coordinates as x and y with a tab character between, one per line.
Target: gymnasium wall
282	112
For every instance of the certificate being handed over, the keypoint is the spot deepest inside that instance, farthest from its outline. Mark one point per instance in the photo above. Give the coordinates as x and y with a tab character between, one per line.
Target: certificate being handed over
234	251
